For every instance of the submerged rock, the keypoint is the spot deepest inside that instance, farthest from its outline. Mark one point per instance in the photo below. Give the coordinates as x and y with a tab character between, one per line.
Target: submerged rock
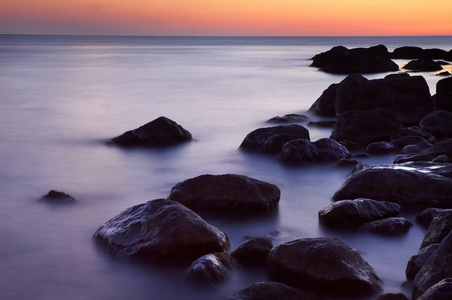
388	227
290	118
253	251
270	291
210	269
160	132
272	139
324	266
58	197
161	231
438	123
226	193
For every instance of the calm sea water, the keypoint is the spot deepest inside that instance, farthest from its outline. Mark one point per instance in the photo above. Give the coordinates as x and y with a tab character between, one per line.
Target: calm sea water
62	98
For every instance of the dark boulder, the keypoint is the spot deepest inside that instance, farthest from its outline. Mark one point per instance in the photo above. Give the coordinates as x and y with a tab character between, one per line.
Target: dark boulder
439	228
438	123
324	266
410	140
388	227
408	185
423	64
161	231
412	131
58	197
414	149
272	139
392	296
443	97
253	251
353	213
325	104
226	193
426	153
441	159
445	74
365	127
340	60
436	268
417	261
407	52
270	291
160	132
426	216
439	291
381	148
210	269
290	118
331	150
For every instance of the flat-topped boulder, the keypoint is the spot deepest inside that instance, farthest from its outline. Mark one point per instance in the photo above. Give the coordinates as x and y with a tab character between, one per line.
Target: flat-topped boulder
409	185
411	52
272	139
354	213
161	231
423	64
324	266
226	193
160	132
270	291
340	60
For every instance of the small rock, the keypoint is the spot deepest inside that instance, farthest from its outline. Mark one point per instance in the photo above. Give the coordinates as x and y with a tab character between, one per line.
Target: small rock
210	269
58	197
392	296
253	251
290	118
439	291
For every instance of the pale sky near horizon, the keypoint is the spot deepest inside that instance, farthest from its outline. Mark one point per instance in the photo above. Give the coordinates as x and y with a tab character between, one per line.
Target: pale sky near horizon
227	17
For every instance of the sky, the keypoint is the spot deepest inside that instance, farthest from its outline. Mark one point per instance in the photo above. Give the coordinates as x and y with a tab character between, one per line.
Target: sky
227	17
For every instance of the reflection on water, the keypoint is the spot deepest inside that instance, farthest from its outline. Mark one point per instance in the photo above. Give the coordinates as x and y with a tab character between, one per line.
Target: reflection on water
62	98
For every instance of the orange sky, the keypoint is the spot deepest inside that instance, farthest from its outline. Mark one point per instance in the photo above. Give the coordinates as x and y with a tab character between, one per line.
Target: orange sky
227	17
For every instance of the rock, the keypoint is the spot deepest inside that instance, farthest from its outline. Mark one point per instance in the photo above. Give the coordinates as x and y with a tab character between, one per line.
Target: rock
439	291
353	213
322	124
417	261
161	231
427	215
210	269
436	268
439	228
392	296
160	132
434	53
303	151
365	127
347	162
226	193
441	159
423	64
325	104
444	73
407	52
272	139
408	185
290	118
380	148
340	60
388	227
253	251
410	131
58	197
270	291
438	123
411	140
427	153
443	98
414	149
324	266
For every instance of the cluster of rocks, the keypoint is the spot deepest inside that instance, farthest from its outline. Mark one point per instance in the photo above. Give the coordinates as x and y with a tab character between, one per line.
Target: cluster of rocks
377	59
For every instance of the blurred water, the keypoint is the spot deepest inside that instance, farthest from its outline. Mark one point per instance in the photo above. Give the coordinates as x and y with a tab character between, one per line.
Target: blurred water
62	98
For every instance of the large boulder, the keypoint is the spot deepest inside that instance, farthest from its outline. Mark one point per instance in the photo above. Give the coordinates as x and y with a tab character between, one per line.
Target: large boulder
411	131
353	213
160	132
423	64
417	261
426	152
365	127
435	269
438	123
253	251
340	60
270	291
226	193
439	291
161	231
388	227
272	139
210	269
443	97
323	265
409	185
439	228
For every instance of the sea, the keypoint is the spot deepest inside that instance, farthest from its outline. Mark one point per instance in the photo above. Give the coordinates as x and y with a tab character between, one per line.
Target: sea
62	98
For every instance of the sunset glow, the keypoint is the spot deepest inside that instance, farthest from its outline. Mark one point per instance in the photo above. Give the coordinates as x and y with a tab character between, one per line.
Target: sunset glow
231	17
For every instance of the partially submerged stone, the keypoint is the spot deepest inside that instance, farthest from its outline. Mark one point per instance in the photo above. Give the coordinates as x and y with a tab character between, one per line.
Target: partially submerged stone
210	269
289	118
388	227
417	261
58	197
439	291
423	64
253	251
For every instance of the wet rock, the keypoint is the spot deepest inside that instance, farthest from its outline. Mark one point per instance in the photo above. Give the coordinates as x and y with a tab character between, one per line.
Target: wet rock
353	213
438	123
409	185
340	60
210	269
381	148
322	265
441	159
161	231
423	64
439	228
439	291
427	215
444	73
365	127
270	291
290	118
411	140
272	139
388	227
347	162
322	124
417	261
58	197
424	152
325	104
435	269
160	132
443	97
407	52
253	251
392	296
226	193
416	131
